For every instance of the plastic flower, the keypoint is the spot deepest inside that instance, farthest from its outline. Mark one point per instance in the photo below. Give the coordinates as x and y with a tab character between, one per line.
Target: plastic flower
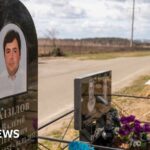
123	132
133	131
146	127
130	118
138	128
137	143
125	120
137	122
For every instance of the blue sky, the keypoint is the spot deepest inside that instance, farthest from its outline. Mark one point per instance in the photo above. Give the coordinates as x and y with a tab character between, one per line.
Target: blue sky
90	18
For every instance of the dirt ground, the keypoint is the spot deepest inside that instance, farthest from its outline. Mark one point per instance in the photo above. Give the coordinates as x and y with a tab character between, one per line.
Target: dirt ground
136	106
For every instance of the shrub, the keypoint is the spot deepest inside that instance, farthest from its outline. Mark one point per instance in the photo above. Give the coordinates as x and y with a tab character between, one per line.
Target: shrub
57	52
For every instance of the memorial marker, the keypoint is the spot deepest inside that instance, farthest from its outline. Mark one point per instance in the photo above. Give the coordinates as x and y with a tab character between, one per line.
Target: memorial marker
18	77
92	100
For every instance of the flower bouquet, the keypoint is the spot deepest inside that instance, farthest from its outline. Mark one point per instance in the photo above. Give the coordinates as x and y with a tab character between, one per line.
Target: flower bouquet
132	134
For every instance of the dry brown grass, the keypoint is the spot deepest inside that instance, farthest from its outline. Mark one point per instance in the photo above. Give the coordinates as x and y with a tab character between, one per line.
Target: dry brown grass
108	55
137	106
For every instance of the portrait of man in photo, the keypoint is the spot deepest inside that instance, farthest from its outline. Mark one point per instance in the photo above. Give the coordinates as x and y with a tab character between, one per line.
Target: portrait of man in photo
12	53
13	78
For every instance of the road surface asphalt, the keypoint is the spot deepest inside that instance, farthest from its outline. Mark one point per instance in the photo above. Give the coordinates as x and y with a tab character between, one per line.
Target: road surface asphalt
56	80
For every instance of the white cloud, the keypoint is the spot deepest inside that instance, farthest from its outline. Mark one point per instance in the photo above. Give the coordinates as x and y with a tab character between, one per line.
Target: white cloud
90	18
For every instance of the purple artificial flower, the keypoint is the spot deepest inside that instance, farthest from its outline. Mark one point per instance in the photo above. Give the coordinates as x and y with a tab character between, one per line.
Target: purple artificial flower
146	127
125	130
138	128
124	120
128	127
133	130
137	122
129	119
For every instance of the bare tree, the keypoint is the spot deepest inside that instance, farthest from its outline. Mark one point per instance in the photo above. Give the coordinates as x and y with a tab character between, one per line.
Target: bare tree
50	40
52	34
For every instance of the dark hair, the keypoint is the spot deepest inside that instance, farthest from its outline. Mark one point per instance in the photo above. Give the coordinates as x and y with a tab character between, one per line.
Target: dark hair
10	36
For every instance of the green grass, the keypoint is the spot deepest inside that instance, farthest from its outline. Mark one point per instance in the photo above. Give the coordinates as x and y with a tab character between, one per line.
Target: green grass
108	55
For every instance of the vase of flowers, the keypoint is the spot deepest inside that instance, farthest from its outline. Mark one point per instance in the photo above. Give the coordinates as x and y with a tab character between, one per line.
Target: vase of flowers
133	134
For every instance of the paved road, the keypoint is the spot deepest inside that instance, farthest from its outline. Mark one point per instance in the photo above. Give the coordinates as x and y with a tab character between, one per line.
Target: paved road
56	78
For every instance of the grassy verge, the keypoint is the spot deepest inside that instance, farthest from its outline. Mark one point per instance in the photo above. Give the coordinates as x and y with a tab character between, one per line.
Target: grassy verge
60	133
138	87
108	55
137	106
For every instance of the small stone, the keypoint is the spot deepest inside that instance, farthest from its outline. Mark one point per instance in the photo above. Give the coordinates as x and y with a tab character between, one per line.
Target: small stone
148	82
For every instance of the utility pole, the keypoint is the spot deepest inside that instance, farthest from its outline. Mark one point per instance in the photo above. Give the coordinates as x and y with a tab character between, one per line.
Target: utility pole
132	25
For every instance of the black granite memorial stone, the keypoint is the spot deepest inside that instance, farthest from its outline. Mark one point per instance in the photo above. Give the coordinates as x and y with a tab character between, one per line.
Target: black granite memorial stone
92	101
18	77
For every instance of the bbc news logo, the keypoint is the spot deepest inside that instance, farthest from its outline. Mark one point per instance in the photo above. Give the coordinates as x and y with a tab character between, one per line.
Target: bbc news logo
9	134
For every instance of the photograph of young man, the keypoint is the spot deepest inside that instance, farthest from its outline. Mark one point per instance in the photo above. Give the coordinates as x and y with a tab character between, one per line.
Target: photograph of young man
12	53
14	77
